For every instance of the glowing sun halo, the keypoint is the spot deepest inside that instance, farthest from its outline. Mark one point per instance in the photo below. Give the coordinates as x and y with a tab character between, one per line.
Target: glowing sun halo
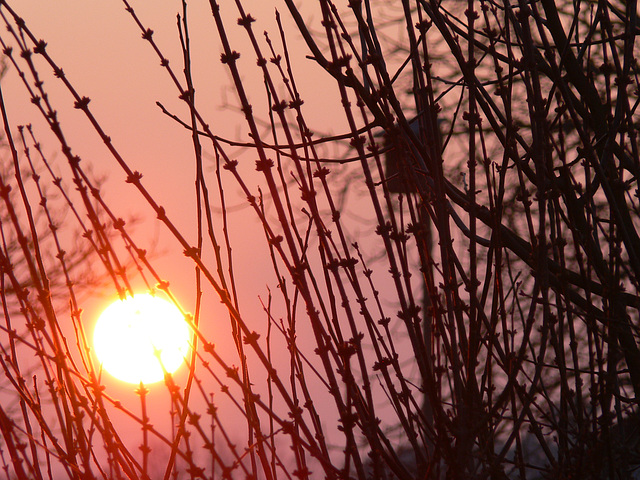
140	338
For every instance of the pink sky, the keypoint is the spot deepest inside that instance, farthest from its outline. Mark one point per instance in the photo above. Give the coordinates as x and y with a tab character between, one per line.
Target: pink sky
102	53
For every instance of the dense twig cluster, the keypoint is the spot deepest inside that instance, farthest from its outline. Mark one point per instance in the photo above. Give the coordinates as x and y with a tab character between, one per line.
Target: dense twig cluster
487	328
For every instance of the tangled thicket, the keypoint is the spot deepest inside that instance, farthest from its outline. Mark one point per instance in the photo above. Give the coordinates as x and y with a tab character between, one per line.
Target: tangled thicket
486	328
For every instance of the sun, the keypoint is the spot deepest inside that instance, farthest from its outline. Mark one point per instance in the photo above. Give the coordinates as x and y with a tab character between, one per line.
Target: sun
140	338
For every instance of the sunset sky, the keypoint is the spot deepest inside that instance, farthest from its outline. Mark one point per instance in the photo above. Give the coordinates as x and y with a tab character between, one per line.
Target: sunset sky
102	53
410	245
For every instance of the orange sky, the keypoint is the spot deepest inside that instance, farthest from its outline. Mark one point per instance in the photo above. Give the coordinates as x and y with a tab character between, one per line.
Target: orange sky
102	53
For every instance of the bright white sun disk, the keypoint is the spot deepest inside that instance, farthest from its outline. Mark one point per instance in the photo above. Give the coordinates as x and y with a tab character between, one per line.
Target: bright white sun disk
140	338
